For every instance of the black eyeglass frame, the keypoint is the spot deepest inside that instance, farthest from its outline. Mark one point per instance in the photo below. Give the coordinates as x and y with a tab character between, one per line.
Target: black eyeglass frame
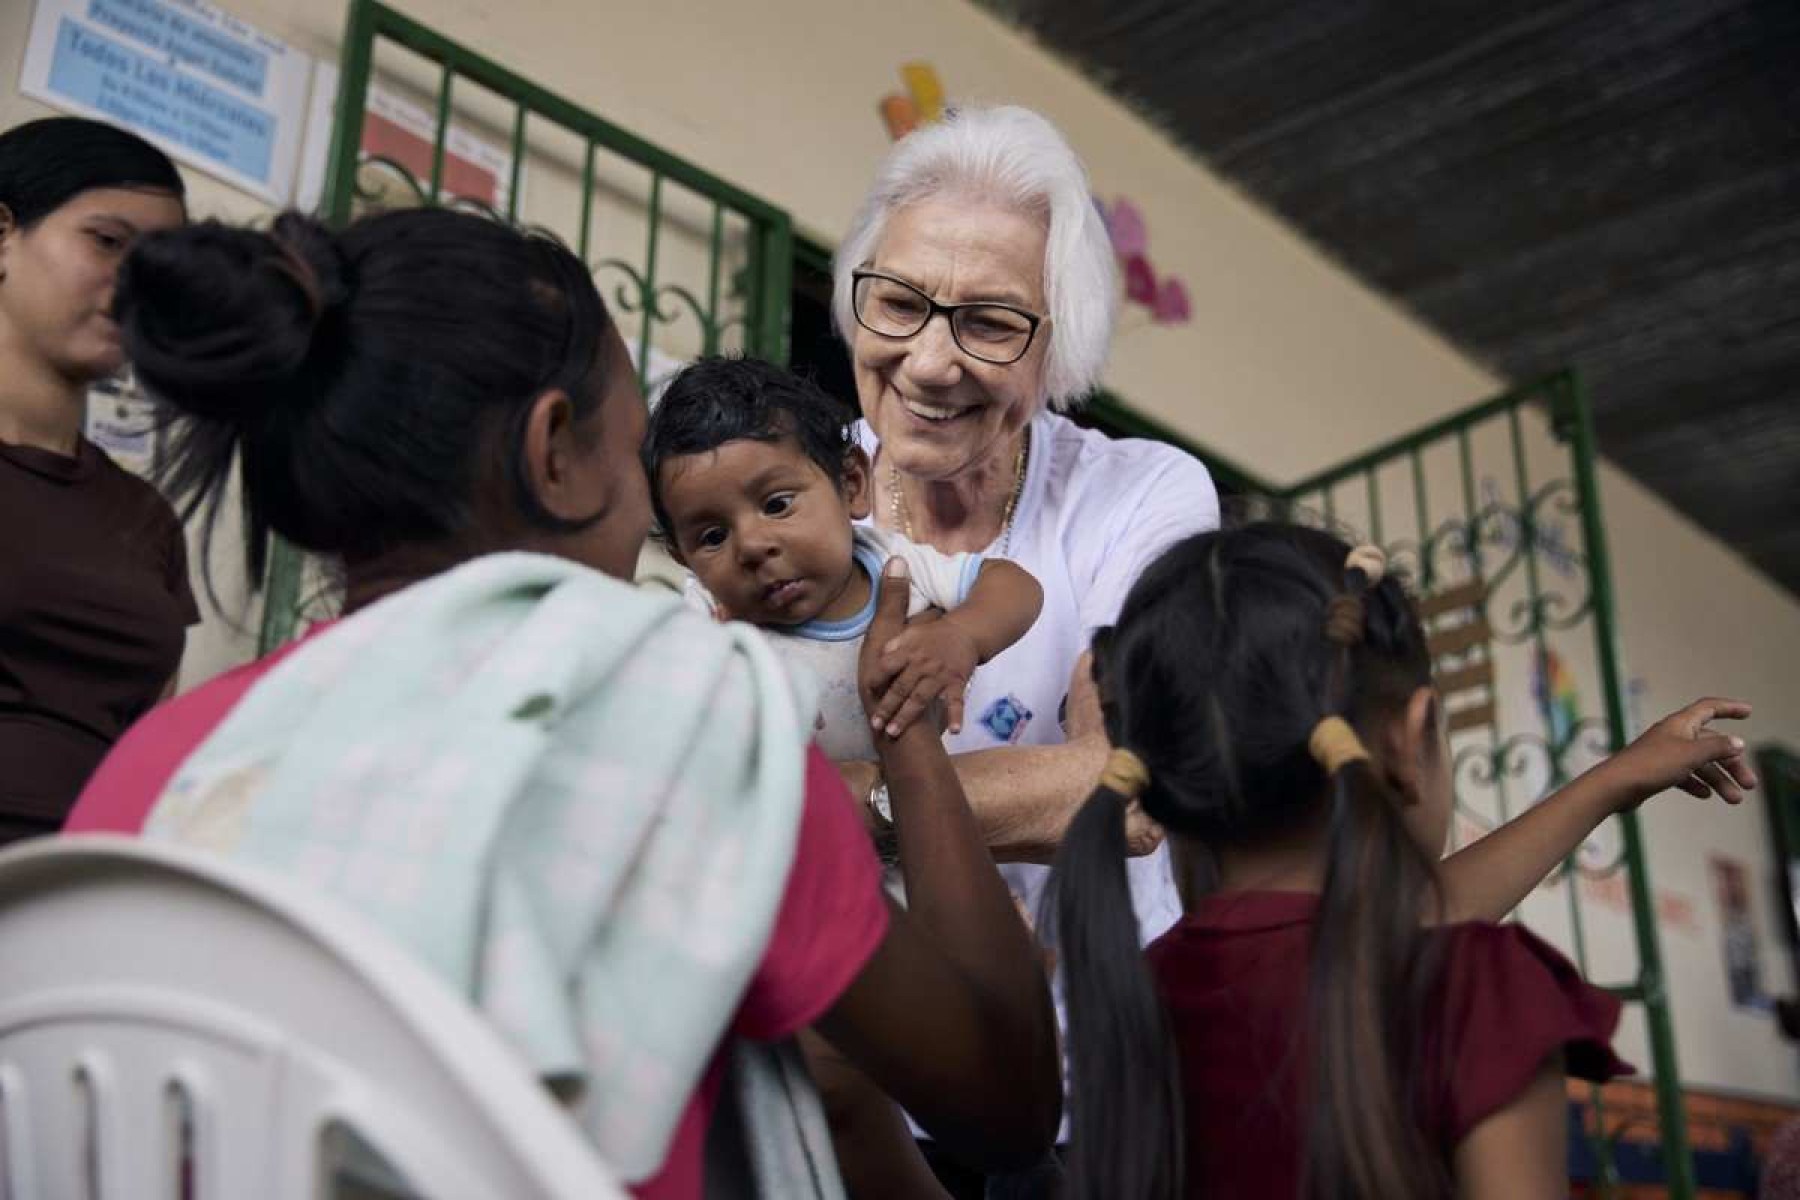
949	311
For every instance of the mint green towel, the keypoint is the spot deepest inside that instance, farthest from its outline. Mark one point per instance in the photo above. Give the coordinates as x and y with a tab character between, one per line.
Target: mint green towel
576	799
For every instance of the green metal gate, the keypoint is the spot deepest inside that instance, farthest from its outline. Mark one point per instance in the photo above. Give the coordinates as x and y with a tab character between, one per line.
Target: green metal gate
678	253
1523	551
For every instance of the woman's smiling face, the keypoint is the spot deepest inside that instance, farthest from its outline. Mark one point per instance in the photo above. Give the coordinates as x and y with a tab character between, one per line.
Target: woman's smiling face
937	410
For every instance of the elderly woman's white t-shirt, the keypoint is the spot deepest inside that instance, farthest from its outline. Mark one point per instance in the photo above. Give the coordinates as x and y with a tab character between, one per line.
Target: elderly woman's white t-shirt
1094	512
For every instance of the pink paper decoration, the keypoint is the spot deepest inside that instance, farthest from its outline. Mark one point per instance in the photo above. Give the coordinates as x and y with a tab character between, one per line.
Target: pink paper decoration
1171	304
1167	299
1140	281
1130	237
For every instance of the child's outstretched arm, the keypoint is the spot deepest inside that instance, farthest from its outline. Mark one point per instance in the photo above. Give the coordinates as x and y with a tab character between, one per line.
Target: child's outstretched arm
934	660
1487	880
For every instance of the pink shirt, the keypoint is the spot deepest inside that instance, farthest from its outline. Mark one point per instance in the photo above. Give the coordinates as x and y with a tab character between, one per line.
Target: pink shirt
832	917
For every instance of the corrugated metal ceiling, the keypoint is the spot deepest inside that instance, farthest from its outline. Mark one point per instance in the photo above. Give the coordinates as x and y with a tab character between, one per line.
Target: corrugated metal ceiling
1609	186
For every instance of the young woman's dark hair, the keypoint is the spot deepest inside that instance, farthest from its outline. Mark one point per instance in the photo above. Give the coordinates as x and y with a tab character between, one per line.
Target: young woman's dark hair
45	164
366	379
1229	651
725	398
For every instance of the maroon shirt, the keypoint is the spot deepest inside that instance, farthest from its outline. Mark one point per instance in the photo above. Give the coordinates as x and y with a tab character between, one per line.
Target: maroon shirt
1234	978
94	607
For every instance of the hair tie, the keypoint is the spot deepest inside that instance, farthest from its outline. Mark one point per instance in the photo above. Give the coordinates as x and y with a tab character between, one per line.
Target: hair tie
1346	614
1370	560
309	257
1334	745
1344	618
289	262
1125	773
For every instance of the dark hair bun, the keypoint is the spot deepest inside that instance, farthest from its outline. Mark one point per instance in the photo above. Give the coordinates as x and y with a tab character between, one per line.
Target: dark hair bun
314	255
222	323
362	381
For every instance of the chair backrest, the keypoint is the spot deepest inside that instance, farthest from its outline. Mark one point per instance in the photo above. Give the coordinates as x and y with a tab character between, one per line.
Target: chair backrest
172	1025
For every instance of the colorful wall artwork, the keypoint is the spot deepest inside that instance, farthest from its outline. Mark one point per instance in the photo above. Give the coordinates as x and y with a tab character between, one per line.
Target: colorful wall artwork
1164	295
920	104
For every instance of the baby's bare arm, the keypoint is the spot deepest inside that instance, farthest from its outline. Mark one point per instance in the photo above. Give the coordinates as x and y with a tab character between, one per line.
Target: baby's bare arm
1001	606
934	661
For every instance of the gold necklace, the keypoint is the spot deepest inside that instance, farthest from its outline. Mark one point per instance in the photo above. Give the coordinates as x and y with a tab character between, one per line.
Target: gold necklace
902	514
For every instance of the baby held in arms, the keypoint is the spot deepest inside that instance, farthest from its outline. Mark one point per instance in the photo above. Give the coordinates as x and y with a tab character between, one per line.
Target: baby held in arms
758	485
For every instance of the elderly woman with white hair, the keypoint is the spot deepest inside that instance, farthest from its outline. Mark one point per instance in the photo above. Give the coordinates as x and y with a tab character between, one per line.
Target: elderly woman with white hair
986	220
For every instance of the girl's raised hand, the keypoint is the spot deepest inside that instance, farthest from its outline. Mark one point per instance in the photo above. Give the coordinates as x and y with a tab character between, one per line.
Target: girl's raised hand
1681	751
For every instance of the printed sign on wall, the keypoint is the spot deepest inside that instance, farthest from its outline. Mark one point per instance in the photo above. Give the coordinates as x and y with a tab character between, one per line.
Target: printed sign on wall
209	89
1737	928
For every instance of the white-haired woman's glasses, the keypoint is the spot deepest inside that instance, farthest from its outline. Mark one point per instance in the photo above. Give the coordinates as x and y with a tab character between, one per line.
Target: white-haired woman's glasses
988	330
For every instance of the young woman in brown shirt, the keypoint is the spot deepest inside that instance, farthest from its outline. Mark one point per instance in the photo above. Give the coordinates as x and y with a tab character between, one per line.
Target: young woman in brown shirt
94	596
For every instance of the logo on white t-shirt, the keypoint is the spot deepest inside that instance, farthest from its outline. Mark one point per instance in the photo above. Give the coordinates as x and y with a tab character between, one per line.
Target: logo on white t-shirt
1006	719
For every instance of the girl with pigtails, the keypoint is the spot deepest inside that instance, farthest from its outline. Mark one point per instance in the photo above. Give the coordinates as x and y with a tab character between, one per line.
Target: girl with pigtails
1322	1022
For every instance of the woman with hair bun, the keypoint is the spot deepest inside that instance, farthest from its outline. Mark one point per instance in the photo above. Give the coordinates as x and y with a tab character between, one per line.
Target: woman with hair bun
94	596
595	812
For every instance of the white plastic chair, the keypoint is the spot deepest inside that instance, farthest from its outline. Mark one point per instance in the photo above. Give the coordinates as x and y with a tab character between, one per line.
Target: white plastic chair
176	1026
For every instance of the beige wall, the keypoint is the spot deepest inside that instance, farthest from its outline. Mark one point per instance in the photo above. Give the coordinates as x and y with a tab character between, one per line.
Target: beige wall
1695	619
1287	366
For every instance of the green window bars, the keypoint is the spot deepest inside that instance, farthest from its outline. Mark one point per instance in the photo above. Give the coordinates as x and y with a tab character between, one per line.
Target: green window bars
735	251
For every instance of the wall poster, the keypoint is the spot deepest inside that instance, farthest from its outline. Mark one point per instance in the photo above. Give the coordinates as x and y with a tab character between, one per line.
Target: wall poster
1743	957
213	92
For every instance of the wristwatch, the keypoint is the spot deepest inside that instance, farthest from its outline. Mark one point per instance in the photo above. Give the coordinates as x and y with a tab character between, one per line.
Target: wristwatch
881	804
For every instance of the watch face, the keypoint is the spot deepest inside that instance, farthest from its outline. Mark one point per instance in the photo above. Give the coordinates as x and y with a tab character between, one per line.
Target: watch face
881	803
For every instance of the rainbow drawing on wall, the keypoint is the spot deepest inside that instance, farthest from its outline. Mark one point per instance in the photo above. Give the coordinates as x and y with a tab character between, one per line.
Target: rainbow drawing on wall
1553	685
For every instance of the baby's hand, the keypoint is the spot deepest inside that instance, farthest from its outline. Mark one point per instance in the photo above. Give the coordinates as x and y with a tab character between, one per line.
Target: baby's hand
1680	751
927	661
